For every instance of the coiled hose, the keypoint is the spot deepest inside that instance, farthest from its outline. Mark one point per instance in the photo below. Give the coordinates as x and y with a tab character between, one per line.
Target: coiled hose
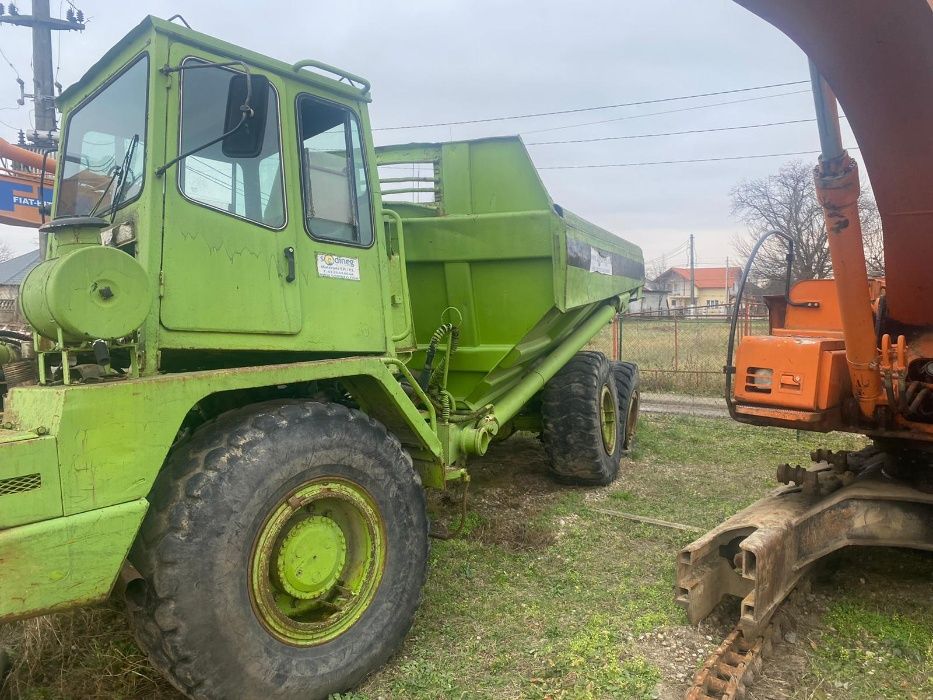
442	332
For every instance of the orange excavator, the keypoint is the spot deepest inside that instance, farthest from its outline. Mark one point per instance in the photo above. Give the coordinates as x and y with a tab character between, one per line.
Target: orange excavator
25	184
850	353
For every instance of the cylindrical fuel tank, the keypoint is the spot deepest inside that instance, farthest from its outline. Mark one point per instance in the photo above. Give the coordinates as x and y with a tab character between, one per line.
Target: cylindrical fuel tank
89	292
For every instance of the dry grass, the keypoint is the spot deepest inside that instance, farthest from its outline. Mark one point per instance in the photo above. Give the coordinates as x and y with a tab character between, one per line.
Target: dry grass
86	653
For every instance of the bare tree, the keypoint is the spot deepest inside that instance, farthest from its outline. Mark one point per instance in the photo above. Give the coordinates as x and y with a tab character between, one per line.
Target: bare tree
655	268
787	202
871	235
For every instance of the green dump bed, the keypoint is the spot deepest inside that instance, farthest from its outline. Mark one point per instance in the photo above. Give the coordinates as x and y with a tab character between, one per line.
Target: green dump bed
482	235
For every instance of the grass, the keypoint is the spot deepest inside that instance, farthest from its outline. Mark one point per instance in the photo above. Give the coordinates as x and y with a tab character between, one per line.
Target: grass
880	632
544	597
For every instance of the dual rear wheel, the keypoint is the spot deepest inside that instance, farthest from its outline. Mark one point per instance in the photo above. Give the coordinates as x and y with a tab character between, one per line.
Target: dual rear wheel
589	413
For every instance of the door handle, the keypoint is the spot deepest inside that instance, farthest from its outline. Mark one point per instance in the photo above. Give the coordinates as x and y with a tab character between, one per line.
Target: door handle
290	261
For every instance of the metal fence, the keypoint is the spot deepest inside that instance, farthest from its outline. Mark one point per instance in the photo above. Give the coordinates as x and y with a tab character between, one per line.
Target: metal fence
680	355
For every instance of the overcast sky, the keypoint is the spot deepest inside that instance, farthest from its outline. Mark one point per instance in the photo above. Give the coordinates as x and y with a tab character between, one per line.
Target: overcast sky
448	60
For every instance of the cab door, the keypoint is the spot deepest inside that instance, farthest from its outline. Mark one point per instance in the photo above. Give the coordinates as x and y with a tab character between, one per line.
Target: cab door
228	247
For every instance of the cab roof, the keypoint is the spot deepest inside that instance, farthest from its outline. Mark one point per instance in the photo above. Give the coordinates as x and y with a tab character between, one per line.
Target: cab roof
154	25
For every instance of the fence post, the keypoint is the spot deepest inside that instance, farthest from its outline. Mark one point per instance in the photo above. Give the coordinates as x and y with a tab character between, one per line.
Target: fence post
616	337
675	344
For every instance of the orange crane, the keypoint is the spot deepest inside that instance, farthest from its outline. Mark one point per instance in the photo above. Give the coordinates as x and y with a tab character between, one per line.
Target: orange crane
849	353
25	185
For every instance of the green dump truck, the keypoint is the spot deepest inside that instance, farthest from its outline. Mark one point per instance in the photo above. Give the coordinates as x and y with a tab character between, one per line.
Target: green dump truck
257	338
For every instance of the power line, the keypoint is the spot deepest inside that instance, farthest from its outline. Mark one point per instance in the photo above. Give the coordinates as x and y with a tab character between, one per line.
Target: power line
666	258
673	133
530	115
670	254
677	162
9	62
667	111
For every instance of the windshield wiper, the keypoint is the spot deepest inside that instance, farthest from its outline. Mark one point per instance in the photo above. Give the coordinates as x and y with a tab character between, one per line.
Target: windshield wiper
120	177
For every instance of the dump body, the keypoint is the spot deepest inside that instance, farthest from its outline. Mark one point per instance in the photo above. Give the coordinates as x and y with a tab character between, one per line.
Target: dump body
489	242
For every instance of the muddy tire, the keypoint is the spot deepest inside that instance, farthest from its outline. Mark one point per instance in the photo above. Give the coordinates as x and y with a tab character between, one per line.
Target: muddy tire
628	387
582	430
283	555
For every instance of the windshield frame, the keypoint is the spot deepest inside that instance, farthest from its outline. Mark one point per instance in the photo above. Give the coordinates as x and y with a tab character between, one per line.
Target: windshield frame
111	210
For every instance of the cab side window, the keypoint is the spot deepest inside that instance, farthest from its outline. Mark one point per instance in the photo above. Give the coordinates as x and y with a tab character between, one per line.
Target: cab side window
250	188
336	194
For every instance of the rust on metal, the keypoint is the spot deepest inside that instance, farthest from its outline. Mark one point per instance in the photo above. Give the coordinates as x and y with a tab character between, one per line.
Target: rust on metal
729	669
761	553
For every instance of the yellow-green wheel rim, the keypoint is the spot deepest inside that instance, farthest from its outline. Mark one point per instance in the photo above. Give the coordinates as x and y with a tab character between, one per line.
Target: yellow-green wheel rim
317	561
608	419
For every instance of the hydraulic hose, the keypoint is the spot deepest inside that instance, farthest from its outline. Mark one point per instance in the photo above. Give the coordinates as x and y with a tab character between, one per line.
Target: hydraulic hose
729	369
442	332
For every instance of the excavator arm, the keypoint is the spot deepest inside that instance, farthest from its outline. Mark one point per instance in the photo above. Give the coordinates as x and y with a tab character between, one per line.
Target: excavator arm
877	57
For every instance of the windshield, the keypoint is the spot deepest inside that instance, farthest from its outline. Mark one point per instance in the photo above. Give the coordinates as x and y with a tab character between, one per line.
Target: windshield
104	149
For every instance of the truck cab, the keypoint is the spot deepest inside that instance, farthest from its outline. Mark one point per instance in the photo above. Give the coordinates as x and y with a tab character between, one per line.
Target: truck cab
275	231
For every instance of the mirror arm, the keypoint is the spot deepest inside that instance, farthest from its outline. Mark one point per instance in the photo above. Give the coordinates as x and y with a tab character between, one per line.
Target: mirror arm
245	108
160	171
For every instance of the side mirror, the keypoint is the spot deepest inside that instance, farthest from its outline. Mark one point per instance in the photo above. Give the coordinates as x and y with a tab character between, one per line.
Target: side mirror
250	99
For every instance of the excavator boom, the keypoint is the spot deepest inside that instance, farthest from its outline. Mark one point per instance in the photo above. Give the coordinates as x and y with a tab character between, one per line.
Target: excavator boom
878	58
25	185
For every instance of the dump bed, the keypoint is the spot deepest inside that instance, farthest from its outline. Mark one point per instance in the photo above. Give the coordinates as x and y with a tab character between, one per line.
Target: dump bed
482	235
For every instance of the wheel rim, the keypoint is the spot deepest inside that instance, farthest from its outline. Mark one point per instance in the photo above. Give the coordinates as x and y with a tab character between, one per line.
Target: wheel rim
317	562
608	418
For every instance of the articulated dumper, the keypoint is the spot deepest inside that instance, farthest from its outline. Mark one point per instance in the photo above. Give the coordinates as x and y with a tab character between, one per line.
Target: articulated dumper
247	363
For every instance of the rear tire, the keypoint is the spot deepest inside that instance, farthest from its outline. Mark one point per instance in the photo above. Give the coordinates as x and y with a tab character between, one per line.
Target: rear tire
582	428
628	387
283	555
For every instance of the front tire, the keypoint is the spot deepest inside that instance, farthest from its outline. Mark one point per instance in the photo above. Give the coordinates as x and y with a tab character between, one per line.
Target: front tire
582	428
283	555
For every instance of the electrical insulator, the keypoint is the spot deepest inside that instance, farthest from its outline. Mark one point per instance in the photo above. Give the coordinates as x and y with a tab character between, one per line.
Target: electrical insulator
79	15
1	8
13	10
70	15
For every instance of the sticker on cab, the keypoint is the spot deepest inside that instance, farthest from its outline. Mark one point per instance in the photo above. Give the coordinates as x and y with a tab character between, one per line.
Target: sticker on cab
338	267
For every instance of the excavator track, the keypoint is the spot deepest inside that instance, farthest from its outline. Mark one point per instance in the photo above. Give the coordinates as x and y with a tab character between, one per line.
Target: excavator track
737	662
729	669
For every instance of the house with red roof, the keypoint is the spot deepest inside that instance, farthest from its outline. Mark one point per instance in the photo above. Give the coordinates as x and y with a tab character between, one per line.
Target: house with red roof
714	288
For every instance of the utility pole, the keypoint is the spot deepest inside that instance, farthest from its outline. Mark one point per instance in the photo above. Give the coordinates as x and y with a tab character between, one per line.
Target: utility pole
43	80
727	280
693	277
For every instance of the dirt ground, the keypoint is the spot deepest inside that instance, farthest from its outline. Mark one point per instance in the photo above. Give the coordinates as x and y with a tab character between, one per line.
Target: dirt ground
545	594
